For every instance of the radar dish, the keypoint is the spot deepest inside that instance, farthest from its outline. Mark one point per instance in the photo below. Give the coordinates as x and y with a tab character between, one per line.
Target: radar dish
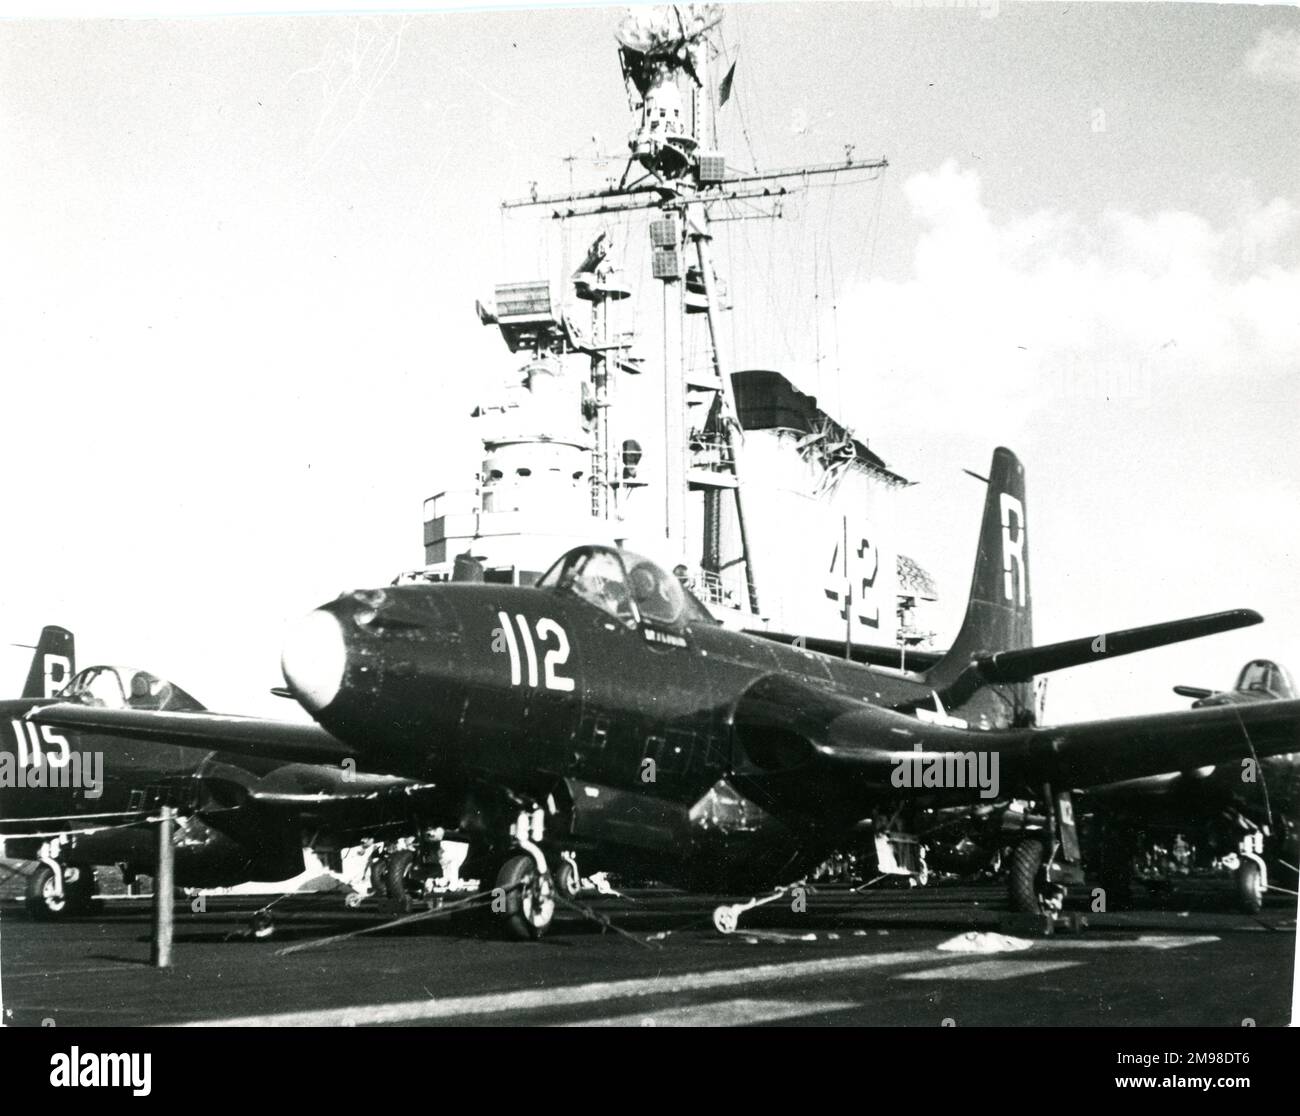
664	30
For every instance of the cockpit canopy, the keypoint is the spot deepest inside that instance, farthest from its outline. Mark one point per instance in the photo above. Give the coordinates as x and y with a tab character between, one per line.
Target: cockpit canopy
629	587
119	687
1266	677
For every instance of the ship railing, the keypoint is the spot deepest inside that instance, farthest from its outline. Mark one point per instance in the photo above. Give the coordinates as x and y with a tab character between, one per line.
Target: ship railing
458	501
436	573
912	636
711	451
709	587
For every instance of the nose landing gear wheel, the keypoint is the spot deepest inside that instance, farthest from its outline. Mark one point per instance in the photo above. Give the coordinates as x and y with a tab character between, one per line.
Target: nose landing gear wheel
529	897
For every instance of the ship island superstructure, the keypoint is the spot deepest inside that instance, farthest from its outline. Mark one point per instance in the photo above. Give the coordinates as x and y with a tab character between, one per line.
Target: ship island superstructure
774	513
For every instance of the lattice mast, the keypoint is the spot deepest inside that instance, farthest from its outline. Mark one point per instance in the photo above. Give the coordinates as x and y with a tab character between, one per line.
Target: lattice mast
674	168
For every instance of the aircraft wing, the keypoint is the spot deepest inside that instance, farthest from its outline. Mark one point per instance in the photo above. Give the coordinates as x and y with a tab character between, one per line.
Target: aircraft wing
1090	753
785	728
306	782
254	736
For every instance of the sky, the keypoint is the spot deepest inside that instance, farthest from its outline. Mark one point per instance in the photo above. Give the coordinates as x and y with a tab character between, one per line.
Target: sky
238	346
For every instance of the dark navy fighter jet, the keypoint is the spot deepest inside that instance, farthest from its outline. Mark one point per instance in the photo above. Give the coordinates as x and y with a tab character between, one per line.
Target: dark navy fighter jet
604	715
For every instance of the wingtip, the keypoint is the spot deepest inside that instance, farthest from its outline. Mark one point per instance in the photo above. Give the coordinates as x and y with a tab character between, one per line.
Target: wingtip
1236	618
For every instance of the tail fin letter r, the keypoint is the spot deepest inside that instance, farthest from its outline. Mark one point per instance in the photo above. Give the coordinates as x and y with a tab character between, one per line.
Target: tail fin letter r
1013	547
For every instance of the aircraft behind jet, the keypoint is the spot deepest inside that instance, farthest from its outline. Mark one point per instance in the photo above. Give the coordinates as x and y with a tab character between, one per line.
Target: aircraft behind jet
1259	680
52	663
72	798
1243	815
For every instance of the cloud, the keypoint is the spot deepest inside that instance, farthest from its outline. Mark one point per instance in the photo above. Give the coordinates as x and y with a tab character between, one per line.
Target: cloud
1001	317
1275	57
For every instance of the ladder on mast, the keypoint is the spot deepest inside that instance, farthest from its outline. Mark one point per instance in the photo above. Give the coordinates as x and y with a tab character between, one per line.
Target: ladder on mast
684	179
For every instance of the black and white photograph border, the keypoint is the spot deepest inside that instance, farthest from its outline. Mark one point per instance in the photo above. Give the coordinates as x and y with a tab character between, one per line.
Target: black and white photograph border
722	351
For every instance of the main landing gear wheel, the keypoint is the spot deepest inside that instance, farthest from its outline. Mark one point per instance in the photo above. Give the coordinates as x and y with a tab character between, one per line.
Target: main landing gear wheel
1027	890
395	879
1250	886
378	870
45	904
261	926
529	897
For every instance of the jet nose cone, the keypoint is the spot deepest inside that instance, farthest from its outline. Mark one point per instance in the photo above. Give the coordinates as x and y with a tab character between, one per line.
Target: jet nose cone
314	658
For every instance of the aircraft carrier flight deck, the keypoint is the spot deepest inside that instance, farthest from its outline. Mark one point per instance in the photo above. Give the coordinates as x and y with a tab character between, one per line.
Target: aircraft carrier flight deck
919	957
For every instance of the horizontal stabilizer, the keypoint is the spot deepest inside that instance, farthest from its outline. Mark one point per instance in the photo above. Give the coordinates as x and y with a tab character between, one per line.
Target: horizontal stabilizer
1197	692
1024	664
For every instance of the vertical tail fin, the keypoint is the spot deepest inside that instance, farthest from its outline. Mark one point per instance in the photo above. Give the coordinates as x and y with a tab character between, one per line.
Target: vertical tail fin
53	663
999	613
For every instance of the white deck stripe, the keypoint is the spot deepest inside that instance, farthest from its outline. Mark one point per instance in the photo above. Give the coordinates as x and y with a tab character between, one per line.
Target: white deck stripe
1143	941
988	970
727	1013
491	1003
49	974
530	999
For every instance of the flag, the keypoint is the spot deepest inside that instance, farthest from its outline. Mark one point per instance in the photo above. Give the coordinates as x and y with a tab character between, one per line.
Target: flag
724	90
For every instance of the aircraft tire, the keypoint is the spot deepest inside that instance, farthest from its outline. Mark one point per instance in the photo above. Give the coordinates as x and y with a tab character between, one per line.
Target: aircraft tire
379	876
1023	890
530	898
395	879
78	895
567	879
1250	886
